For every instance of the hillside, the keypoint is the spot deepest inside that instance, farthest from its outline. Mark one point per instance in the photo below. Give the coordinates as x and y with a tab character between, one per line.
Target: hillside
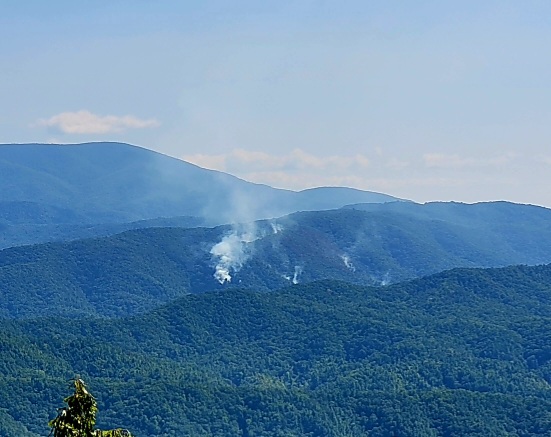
139	270
29	233
104	183
482	214
464	352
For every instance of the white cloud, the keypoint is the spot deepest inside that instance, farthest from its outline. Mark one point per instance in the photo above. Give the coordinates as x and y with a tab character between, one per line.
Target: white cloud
455	161
444	160
296	169
433	176
212	162
302	180
545	159
392	183
85	122
397	164
240	160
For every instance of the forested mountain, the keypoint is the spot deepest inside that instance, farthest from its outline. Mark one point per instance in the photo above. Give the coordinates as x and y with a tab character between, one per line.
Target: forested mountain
277	327
483	214
49	191
138	270
34	233
461	353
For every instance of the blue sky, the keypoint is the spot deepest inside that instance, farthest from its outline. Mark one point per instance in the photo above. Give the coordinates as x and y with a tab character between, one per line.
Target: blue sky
427	100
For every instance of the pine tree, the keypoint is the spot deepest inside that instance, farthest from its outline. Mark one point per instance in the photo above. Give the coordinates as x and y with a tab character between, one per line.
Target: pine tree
78	418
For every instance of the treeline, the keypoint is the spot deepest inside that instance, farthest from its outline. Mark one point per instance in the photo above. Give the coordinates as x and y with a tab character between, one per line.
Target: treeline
462	353
139	270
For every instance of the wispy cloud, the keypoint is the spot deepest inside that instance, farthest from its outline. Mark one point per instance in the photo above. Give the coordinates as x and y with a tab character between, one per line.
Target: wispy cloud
296	169
455	161
86	122
423	177
239	160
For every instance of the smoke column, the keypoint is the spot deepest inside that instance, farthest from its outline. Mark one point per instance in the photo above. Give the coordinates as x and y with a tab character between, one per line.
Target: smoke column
298	272
346	260
232	252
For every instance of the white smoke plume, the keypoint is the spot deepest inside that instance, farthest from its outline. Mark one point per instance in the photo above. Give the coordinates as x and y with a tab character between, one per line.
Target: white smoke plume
232	252
296	275
386	279
348	263
276	227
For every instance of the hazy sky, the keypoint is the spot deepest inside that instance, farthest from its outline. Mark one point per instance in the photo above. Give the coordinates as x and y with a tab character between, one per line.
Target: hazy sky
426	100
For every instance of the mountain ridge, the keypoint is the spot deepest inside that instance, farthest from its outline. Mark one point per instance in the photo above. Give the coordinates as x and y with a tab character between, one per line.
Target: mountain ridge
460	352
118	181
140	269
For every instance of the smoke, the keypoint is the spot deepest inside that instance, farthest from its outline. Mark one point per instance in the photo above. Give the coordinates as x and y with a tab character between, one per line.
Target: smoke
276	227
348	263
386	279
233	251
296	275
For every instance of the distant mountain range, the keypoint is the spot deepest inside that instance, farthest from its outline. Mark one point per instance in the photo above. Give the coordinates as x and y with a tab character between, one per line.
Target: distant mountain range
141	230
47	188
196	303
138	270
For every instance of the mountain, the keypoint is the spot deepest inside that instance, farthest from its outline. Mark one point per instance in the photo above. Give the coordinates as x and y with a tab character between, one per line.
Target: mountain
482	214
34	233
521	228
139	270
103	183
465	352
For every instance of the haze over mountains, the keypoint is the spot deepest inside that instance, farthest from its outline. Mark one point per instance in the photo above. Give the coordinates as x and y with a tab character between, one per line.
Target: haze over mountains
61	190
140	269
115	182
196	303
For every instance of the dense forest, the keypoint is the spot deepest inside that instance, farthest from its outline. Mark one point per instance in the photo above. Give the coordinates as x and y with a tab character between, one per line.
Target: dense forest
466	352
139	270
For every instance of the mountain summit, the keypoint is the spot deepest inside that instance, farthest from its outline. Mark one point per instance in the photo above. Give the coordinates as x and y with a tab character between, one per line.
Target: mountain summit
116	182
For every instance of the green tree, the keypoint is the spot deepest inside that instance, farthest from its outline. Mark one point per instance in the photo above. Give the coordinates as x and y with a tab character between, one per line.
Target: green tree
78	418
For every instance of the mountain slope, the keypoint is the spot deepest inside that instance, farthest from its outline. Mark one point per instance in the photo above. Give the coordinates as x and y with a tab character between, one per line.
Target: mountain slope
482	214
29	233
464	352
114	182
141	269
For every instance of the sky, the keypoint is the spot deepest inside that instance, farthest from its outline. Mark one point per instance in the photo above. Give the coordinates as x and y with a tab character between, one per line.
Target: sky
425	100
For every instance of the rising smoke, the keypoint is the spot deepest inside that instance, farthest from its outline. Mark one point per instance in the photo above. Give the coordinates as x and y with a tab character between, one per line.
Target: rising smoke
348	263
386	279
233	251
296	276
235	248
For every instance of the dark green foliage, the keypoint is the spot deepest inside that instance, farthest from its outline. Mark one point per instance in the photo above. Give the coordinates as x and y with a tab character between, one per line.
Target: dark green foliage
139	270
19	234
461	353
78	419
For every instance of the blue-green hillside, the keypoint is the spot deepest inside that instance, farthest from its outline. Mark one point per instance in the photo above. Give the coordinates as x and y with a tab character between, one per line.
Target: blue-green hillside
465	352
138	270
48	191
